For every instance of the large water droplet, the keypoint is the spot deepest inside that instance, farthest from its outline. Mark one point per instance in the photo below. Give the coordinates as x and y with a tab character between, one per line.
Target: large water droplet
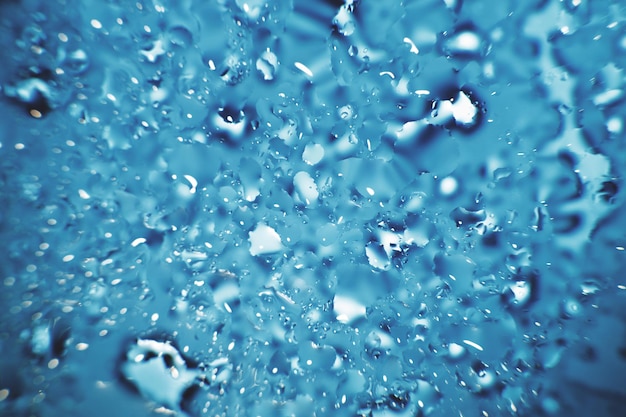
159	372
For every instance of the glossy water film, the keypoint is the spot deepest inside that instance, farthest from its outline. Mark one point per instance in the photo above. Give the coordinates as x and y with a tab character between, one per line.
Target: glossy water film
312	208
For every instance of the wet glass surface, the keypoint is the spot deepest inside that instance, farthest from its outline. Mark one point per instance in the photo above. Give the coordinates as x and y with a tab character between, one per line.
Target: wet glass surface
312	208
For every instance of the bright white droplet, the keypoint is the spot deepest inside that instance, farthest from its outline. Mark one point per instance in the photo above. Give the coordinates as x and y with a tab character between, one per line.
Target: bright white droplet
463	110
305	187
313	153
347	309
448	186
264	240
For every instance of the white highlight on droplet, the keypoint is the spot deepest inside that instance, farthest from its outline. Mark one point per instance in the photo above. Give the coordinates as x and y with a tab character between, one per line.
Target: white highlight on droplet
347	309
413	49
448	186
303	68
193	182
473	344
138	242
463	110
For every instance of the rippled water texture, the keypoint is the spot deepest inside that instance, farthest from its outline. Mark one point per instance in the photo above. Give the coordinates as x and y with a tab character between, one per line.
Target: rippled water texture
312	208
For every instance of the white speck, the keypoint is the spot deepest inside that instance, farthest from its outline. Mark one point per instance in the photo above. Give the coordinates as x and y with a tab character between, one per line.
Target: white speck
82	346
138	242
370	191
68	258
193	182
473	344
83	194
303	68
96	24
413	49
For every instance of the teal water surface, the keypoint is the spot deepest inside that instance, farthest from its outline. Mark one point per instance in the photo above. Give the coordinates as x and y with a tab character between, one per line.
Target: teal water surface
312	208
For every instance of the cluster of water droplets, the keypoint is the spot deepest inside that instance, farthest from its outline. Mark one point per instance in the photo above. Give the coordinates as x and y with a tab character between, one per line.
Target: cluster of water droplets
253	207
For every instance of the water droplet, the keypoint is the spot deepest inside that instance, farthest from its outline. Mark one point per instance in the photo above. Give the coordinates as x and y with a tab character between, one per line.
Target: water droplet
267	64
35	93
75	62
159	372
180	36
313	153
344	19
264	240
306	188
465	42
347	310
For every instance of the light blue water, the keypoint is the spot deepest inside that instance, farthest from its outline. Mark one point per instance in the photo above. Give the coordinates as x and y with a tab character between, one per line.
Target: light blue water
312	208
